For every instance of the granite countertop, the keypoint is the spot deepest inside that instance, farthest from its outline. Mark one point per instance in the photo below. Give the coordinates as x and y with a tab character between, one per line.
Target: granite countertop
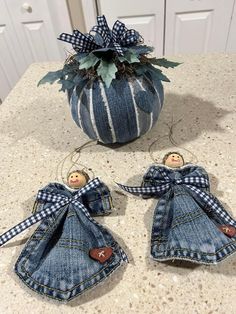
37	132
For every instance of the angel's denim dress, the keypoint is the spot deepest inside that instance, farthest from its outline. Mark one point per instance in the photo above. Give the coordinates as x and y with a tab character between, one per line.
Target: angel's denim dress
55	261
183	226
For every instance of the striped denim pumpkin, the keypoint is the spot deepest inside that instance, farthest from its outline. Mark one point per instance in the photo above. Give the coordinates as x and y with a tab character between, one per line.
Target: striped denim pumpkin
126	110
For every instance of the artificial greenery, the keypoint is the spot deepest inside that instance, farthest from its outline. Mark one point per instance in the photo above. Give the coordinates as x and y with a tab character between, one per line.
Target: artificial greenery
108	65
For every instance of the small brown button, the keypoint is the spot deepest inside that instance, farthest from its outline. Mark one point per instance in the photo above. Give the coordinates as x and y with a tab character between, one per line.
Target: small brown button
101	254
230	231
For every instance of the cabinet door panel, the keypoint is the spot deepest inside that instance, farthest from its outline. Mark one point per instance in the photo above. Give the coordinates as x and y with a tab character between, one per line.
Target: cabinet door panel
12	62
35	30
197	26
28	33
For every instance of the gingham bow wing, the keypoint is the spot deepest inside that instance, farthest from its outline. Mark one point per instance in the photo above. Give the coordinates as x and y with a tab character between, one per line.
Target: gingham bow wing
193	183
58	200
118	38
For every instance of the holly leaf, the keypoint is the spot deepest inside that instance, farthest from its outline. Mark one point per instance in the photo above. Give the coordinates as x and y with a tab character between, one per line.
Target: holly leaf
157	73
51	77
89	61
69	68
107	71
141	69
70	76
141	49
163	62
77	79
148	68
129	57
66	84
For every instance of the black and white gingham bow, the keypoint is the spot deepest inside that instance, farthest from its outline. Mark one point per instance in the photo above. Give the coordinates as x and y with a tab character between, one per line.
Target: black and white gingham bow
116	38
58	200
194	183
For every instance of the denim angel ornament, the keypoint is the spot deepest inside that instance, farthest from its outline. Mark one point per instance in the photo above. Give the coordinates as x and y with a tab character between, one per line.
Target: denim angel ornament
189	223
69	252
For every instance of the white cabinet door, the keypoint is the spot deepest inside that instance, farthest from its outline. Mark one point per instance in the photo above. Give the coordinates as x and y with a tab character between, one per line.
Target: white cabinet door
34	29
147	17
197	26
28	33
231	42
12	63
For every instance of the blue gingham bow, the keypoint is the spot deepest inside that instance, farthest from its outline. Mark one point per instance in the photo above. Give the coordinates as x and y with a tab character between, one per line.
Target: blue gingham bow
194	183
118	38
58	200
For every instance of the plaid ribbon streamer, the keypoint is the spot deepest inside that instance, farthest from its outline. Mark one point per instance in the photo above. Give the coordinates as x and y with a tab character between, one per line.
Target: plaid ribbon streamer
118	37
58	201
194	183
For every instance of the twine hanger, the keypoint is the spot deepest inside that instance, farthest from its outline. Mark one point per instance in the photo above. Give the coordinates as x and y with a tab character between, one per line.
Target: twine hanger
172	141
74	157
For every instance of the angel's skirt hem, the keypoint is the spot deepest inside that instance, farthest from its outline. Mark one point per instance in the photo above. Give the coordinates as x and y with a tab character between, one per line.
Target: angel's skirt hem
194	256
77	290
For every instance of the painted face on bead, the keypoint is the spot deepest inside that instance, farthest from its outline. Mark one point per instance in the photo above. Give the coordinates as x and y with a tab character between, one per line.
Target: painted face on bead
173	160
77	179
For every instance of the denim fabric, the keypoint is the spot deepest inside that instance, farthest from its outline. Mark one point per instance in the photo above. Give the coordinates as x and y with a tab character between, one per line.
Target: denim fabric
182	227
113	114
55	261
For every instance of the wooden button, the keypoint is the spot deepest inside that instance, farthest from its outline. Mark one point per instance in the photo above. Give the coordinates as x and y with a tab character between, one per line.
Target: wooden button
101	254
230	231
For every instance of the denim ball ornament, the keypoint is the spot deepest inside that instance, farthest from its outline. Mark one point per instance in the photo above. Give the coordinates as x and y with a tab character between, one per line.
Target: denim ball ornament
114	87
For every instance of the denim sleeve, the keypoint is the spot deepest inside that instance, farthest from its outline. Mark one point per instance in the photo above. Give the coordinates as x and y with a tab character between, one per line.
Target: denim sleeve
98	201
150	179
39	205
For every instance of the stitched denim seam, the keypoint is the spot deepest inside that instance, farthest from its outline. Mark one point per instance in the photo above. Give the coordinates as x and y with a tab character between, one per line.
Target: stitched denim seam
161	239
186	220
67	240
69	290
202	253
194	259
55	298
189	214
70	215
199	260
72	247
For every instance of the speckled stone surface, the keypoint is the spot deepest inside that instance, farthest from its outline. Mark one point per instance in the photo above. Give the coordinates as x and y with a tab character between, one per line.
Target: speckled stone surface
37	132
